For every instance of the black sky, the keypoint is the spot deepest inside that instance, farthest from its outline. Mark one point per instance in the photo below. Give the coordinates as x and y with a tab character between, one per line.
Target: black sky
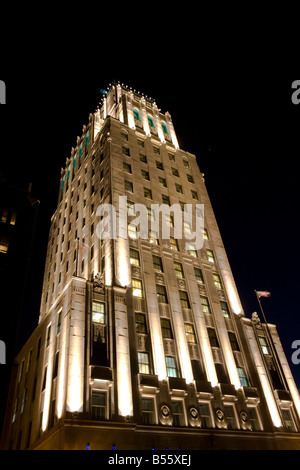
238	120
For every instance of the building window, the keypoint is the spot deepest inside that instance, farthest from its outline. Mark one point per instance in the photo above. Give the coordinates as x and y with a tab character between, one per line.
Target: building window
166	328
157	263
171	157
140	323
179	188
4	243
175	172
191	249
186	163
145	175
44	379
164	127
147	193
205	415
99	405
24	398
48	335
126	151
161	294
159	165
136	114
98	312
213	337
148	410
140	143
225	309
195	195
190	178
211	256
58	325
243	377
253	416
233	341
217	281
178	269
124	135
55	367
264	346
199	275
172	370
143	158
162	182
132	231
134	257
173	244
137	288
128	186
205	304
153	237
150	121
178	413
144	363
156	150
127	167
4	216
288	420
230	416
13	218
165	199
184	299
205	234
190	333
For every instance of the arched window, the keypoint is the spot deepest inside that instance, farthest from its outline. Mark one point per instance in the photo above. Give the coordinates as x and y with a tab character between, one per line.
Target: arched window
164	127
136	114
150	120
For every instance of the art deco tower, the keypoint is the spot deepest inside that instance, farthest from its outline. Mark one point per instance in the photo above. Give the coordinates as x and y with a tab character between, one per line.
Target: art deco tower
143	342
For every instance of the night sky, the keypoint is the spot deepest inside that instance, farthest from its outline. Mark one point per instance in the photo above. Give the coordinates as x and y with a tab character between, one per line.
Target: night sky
238	120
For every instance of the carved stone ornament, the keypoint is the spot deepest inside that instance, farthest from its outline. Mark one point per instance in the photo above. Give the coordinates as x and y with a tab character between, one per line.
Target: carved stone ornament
194	413
99	283
255	318
165	411
244	416
220	414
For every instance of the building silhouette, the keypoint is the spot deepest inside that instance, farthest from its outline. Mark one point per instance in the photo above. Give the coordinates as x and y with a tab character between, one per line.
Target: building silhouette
142	342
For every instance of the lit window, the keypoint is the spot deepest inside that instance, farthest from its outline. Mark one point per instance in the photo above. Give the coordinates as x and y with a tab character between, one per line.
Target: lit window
98	405
191	249
98	312
173	244
172	370
134	257
243	377
150	121
157	263
4	243
190	333
144	363
136	114
199	275
137	288
148	410
161	294
166	328
4	216
153	237
164	127
217	281
178	269
184	299
178	413
147	193
288	420
162	182
264	346
13	218
87	138
205	234
132	231
210	256
225	309
128	186
140	323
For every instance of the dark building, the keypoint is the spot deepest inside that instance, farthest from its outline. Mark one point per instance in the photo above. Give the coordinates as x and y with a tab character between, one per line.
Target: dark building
18	215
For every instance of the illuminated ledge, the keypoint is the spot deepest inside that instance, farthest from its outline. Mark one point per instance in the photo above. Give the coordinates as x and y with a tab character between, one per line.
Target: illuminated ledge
251	394
227	390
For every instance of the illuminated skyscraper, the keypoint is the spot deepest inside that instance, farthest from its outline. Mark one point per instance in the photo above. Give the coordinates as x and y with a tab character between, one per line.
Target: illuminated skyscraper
143	342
